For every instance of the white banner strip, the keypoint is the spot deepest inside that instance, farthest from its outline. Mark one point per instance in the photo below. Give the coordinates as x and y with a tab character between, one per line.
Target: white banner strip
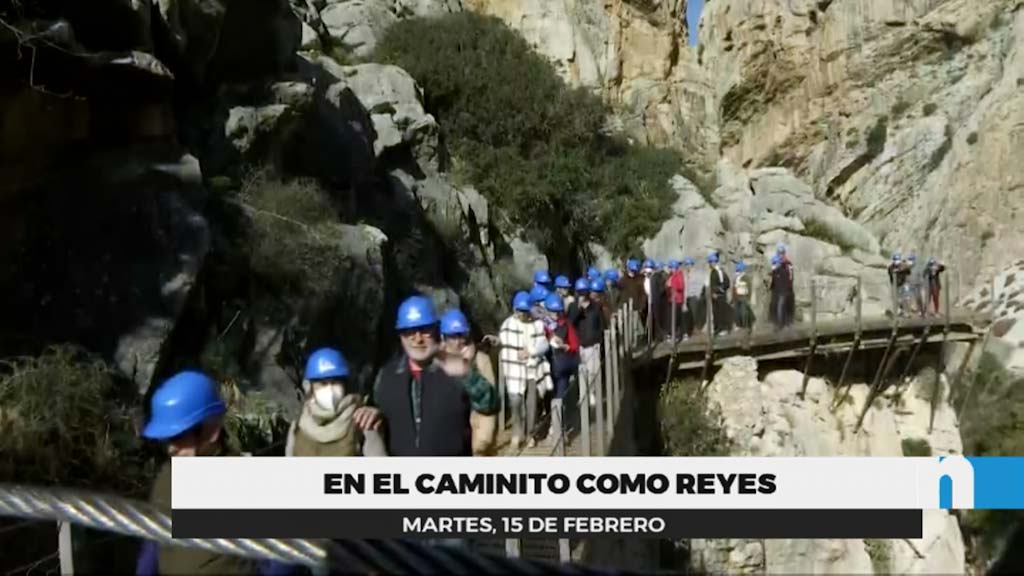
566	483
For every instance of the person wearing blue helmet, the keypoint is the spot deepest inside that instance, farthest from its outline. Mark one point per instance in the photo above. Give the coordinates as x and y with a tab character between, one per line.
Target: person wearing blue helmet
542	278
899	270
933	283
537	296
523	347
186	415
564	360
590	319
719	286
783	295
426	393
631	287
455	337
675	289
611	289
741	298
694	279
329	422
563	286
593	273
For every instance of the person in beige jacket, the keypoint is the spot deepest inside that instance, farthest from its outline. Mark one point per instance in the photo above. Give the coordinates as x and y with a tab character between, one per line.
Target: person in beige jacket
455	339
332	421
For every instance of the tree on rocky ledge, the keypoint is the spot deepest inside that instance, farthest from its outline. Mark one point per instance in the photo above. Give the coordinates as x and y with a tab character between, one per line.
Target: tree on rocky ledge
533	146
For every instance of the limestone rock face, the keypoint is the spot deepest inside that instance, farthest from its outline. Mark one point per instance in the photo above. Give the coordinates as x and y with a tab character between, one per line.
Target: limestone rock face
632	52
752	212
357	25
1002	300
903	114
767	418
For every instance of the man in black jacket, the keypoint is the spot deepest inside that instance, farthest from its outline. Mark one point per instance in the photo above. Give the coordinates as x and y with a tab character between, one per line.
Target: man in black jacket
590	321
426	395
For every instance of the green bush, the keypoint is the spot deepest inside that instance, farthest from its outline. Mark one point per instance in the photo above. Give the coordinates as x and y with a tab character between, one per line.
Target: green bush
533	146
930	108
972	138
880	553
293	233
877	137
65	419
689	427
916	447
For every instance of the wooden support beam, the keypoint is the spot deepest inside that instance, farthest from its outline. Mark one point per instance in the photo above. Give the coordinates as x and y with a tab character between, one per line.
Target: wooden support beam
604	383
501	400
841	392
878	374
814	338
877	390
960	377
910	363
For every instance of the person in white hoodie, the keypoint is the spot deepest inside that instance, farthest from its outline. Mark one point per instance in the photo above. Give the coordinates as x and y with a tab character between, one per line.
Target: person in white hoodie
523	366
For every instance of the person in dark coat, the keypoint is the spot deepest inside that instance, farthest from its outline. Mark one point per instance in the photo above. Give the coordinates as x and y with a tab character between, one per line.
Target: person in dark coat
783	296
632	290
933	283
718	288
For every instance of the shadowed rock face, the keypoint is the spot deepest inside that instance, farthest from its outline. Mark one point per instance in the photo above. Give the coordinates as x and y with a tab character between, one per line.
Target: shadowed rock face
110	242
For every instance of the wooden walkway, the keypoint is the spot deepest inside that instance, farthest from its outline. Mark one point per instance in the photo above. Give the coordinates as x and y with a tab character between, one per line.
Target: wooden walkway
801	340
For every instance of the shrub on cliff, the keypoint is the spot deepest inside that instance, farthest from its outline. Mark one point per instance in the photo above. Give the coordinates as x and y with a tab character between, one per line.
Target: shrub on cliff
689	427
66	419
534	147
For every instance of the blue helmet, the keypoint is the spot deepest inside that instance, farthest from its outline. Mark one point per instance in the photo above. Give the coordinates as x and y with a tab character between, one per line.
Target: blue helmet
521	301
912	258
932	261
541	277
713	257
649	263
688	261
611	275
554	303
181	403
597	286
415	312
582	285
741	267
326	363
538	293
780	248
562	282
896	257
593	273
633	265
673	264
454	322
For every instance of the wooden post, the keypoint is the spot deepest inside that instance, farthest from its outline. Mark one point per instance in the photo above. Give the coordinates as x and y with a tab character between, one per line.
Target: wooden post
853	349
960	377
814	337
65	549
501	397
876	388
564	552
942	359
913	355
603	382
513	547
879	372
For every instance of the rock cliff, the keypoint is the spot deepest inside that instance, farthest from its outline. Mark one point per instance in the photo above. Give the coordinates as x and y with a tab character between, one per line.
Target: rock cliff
767	418
634	53
904	114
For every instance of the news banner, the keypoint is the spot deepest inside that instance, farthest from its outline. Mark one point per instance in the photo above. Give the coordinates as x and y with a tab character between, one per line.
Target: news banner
800	497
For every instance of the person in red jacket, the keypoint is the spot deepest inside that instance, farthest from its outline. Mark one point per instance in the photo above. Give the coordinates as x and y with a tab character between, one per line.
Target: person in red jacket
675	286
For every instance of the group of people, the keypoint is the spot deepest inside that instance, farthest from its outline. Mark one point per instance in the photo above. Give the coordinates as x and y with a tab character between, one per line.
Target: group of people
917	287
436	397
678	299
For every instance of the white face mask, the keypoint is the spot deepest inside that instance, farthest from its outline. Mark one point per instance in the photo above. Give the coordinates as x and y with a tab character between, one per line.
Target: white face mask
328	397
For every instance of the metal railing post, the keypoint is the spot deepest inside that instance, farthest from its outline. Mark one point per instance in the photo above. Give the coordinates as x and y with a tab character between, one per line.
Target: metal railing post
602	384
65	548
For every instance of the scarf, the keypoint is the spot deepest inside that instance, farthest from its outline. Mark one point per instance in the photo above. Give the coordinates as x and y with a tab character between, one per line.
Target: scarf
326	426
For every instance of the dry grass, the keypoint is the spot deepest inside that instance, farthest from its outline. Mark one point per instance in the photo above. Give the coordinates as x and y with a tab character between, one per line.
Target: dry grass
65	420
